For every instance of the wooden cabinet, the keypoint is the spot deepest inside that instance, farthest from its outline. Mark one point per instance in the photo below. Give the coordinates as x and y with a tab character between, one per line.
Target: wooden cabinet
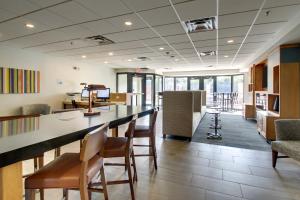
265	124
248	111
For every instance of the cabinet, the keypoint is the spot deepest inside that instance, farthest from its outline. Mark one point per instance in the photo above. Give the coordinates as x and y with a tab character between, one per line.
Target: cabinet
265	124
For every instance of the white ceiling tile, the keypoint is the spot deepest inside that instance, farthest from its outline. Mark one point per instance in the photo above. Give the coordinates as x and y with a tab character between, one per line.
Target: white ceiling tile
170	29
233	6
105	8
273	3
73	12
278	14
196	9
238	19
45	3
119	22
159	16
131	35
18	7
101	27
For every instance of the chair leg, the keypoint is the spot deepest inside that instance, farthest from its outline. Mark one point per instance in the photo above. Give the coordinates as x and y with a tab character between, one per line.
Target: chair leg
164	136
126	160
103	182
134	167
29	194
274	158
90	195
153	148
66	194
41	164
130	177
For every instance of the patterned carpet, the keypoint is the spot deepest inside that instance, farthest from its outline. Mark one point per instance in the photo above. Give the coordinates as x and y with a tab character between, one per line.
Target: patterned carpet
236	132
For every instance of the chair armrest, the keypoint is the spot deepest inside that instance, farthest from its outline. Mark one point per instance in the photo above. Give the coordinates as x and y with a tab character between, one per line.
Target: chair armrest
287	129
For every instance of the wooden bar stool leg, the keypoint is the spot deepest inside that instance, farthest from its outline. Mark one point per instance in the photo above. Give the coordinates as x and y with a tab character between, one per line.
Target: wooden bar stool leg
40	165
29	194
130	177
134	167
153	147
103	182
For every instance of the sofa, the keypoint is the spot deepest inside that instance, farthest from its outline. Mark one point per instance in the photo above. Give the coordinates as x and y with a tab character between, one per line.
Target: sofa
287	139
182	112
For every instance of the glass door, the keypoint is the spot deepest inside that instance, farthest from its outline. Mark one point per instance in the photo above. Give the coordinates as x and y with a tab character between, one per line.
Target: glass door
158	89
149	90
137	90
209	88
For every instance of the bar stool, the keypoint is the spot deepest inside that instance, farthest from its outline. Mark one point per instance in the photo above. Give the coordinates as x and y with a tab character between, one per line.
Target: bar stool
147	132
215	134
73	170
122	147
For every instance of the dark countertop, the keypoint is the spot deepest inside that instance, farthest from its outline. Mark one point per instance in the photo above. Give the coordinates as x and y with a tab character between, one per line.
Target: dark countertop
23	139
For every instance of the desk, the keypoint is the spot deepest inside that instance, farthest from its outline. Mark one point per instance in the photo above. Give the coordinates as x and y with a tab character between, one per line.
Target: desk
85	104
23	139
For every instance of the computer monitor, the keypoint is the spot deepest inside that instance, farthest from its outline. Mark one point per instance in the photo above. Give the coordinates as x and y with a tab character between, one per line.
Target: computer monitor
103	94
84	94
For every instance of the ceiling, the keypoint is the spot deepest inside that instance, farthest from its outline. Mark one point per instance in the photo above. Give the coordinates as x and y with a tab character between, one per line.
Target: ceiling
60	27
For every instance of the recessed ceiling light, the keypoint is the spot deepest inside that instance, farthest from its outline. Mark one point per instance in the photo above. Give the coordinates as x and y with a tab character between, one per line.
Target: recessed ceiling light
83	56
226	56
29	25
111	53
230	41
128	23
161	48
129	60
105	62
176	60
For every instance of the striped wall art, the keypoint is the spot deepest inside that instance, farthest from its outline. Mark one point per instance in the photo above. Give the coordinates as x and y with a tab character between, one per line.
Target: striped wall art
19	81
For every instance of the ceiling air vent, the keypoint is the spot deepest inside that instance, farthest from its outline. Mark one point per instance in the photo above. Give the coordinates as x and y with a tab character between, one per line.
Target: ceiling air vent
101	40
144	68
203	24
208	53
143	58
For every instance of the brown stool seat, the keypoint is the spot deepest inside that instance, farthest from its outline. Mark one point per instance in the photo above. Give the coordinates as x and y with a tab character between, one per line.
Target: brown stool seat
115	147
64	172
140	131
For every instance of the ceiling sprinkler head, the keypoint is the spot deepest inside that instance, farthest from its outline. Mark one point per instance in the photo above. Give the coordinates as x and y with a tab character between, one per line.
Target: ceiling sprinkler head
267	13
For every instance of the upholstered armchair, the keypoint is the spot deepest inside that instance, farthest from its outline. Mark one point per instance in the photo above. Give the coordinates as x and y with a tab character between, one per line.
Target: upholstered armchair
287	139
42	109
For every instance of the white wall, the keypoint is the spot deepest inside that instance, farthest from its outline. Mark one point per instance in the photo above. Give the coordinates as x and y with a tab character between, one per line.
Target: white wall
53	70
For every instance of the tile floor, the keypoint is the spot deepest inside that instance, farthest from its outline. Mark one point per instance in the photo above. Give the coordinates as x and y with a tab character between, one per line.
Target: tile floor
196	171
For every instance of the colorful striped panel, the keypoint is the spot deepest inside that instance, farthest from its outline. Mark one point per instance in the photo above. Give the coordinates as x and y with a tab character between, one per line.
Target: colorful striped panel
14	81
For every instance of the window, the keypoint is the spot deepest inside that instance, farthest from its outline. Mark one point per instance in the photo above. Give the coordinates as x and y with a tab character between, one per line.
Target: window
149	89
181	84
194	83
224	84
169	84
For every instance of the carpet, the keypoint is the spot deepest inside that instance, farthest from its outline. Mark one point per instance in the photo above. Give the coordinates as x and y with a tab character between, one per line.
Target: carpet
236	132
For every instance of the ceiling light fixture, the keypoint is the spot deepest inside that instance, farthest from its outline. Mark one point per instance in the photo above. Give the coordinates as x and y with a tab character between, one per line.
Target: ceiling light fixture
161	48
105	62
111	53
176	60
129	60
128	23
83	56
226	56
29	25
230	41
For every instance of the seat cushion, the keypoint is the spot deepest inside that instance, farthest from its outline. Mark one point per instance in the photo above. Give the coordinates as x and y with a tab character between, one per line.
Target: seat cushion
140	131
115	147
288	147
63	172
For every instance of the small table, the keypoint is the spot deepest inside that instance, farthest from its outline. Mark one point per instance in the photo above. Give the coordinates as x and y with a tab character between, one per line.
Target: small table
215	134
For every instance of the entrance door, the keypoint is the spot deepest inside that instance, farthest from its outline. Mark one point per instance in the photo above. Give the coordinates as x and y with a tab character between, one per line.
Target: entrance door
137	90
